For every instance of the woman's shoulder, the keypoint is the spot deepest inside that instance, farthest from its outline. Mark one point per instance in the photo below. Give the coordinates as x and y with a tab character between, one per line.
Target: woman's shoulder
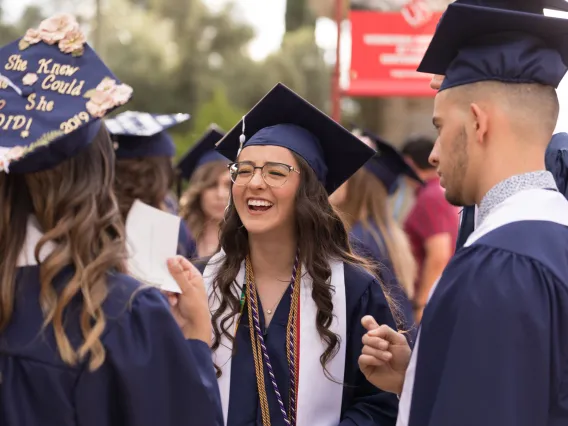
128	296
358	281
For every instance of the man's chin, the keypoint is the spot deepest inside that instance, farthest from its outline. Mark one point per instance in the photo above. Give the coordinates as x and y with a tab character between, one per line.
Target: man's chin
454	199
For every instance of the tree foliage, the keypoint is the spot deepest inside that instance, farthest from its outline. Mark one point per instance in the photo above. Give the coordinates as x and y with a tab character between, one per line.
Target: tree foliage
180	56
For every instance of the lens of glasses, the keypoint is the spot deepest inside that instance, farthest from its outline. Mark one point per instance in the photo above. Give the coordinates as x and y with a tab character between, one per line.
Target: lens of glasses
273	174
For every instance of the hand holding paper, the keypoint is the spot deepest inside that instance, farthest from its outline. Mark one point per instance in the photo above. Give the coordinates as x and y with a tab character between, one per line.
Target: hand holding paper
152	238
191	307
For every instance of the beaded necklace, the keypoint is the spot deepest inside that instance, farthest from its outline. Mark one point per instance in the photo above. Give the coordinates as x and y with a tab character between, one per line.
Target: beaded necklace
260	353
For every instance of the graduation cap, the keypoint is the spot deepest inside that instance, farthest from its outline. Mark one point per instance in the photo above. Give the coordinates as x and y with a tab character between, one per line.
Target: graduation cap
477	43
283	118
54	90
141	134
529	6
203	152
388	164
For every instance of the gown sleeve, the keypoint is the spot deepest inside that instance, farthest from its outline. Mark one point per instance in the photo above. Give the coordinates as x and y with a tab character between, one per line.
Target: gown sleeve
152	375
503	356
364	404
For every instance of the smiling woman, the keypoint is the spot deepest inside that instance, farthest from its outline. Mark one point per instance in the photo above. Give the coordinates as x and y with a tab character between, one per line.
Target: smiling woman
286	261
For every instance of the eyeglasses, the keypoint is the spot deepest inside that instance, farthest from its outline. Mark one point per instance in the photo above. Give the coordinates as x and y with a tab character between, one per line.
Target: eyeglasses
274	174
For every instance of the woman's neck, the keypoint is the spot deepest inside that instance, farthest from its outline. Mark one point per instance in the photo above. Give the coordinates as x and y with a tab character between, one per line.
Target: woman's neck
273	255
208	239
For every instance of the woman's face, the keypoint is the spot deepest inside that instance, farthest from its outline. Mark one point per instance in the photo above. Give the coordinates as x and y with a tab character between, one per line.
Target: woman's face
214	199
263	208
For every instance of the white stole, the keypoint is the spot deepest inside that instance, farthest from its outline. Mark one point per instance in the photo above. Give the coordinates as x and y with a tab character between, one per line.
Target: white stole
528	205
319	399
33	235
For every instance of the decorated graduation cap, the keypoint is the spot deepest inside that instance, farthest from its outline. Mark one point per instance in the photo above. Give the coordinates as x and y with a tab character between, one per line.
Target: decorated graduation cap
477	43
388	164
203	152
54	90
141	134
283	118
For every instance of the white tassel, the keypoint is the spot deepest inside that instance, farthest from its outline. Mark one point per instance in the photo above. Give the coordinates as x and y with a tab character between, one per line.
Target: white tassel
11	84
242	138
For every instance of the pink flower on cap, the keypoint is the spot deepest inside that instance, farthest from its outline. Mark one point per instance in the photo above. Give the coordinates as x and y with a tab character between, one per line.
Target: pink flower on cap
56	28
32	36
73	41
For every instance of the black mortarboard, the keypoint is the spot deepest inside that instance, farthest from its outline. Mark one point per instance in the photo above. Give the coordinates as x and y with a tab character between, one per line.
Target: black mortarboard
203	152
388	164
283	118
530	6
141	134
475	43
54	90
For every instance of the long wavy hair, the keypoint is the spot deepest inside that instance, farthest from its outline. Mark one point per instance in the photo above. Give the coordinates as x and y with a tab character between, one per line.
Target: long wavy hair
77	211
147	179
324	238
204	178
367	202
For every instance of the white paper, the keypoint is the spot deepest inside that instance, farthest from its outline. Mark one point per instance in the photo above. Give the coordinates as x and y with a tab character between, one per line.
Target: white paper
152	238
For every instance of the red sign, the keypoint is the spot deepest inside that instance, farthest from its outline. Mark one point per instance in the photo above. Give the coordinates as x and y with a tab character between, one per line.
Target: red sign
386	50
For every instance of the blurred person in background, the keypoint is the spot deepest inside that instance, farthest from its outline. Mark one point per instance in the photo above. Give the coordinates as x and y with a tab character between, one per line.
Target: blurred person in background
556	161
364	203
81	342
431	225
403	198
204	202
144	171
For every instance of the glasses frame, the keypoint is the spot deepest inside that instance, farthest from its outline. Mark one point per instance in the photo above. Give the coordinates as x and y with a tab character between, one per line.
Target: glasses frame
261	168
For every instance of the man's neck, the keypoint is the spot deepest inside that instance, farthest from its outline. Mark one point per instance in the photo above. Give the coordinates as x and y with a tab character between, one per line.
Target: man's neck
491	180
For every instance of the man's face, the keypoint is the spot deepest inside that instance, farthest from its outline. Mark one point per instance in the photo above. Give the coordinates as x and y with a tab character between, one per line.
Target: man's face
450	154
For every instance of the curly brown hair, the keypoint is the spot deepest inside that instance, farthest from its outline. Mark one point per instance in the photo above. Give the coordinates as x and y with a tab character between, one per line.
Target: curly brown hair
76	209
147	179
324	238
204	177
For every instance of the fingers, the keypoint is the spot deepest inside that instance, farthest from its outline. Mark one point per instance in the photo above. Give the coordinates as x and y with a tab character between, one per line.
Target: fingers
375	342
178	274
369	361
388	334
172	298
382	356
186	266
369	322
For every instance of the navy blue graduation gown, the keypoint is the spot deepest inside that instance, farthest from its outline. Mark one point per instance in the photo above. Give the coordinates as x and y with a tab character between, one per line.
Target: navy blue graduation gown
187	247
171	204
365	245
151	375
363	404
493	348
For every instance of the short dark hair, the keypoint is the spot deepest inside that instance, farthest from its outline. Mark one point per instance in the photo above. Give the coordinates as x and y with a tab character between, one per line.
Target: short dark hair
418	148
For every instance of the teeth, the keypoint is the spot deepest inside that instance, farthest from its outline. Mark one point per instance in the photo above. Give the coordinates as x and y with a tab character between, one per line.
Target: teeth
260	203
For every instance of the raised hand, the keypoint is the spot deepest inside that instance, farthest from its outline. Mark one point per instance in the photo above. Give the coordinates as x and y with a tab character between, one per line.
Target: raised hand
191	307
385	356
